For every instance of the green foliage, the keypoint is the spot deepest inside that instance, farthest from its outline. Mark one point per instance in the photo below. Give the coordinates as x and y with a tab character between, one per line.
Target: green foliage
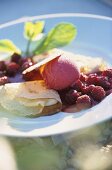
7	46
61	35
32	30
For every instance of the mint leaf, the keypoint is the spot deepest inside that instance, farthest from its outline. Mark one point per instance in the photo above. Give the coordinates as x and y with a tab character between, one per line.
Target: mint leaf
7	46
32	30
61	35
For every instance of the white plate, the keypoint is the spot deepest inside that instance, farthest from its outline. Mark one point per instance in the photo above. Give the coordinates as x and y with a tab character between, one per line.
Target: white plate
86	43
58	123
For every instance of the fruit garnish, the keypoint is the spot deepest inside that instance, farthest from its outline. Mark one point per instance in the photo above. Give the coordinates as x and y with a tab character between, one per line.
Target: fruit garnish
92	79
16	58
83	101
87	91
103	81
83	77
4	80
108	92
12	68
98	93
2	66
26	65
71	97
78	85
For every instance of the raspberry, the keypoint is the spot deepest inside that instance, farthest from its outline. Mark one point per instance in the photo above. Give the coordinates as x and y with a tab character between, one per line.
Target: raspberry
87	89
2	66
98	93
83	101
4	80
71	97
92	79
108	92
110	80
24	60
93	102
2	73
62	94
107	73
91	87
83	77
15	58
12	68
26	65
99	73
78	85
103	82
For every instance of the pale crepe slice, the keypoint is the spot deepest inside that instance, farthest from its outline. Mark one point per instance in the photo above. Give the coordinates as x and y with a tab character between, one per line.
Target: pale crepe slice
35	102
31	90
29	99
14	106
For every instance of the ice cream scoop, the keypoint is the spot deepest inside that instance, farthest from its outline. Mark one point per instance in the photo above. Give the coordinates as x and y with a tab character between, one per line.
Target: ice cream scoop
60	73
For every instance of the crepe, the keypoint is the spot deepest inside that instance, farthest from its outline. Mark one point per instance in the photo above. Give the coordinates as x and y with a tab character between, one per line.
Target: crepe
30	99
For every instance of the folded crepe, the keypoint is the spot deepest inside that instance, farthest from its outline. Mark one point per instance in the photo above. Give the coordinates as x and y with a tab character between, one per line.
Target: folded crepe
30	99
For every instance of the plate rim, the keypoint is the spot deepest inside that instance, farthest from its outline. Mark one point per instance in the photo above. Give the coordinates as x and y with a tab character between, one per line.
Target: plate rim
54	15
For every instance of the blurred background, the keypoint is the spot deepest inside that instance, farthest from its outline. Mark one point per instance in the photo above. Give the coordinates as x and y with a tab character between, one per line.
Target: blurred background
89	149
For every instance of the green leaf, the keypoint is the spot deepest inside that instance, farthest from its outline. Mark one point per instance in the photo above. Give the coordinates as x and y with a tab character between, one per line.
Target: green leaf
61	35
32	30
7	46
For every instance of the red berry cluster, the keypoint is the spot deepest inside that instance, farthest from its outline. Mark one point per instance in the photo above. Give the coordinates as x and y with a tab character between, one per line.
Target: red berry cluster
89	89
9	70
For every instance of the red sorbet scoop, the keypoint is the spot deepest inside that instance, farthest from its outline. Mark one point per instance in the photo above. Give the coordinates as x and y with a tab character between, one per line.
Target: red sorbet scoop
60	73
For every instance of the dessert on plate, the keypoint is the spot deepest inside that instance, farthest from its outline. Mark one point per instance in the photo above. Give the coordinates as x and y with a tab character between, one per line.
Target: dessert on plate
47	80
